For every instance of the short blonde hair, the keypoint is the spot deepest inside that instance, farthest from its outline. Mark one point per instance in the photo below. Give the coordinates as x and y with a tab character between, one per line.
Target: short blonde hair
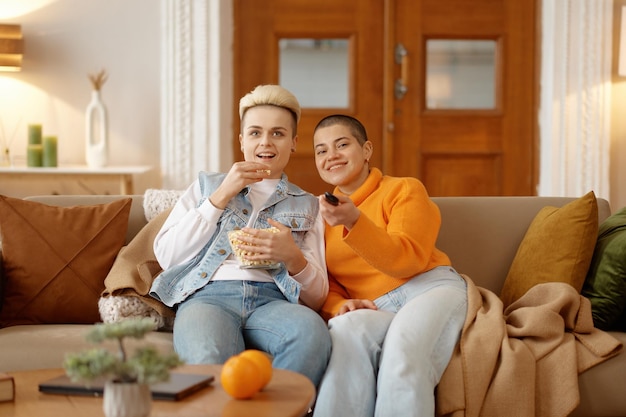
270	95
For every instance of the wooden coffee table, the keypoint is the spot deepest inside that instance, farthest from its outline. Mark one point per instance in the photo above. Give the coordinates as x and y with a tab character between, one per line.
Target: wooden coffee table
288	394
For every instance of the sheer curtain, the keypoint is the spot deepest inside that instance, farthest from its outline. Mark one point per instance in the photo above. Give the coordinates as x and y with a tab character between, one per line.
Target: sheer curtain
575	91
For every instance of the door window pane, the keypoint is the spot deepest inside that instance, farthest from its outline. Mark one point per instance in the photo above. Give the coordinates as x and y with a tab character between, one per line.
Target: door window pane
460	74
316	71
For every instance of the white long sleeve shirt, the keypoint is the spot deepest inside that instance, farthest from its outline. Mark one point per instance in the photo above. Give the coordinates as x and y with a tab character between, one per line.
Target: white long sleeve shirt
189	228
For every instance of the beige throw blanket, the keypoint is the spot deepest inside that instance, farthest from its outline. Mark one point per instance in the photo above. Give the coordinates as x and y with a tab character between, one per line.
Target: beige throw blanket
524	361
136	267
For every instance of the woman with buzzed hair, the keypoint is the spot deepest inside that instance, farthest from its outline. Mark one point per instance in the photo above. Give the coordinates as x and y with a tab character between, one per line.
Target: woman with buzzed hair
223	303
395	306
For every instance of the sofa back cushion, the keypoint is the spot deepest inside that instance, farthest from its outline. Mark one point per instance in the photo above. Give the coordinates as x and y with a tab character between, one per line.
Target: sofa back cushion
481	235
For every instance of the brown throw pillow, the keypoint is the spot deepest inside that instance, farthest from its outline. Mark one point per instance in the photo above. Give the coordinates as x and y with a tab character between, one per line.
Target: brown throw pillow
55	259
558	246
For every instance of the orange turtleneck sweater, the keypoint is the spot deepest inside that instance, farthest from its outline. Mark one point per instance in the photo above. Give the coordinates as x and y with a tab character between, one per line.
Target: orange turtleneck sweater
392	241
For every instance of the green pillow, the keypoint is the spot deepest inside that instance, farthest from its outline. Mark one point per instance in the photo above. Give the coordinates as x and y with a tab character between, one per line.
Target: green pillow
605	285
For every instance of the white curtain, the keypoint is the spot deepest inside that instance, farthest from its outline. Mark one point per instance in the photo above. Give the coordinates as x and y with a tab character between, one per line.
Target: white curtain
196	85
574	119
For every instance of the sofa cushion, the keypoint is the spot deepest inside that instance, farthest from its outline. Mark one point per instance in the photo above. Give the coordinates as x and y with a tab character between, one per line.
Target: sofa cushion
605	285
55	259
557	246
41	346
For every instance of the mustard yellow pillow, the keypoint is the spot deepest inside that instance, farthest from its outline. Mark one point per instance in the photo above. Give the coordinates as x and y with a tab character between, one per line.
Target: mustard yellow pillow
55	259
558	246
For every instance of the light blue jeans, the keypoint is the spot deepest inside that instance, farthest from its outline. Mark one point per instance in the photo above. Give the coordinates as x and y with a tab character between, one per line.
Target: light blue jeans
387	362
226	317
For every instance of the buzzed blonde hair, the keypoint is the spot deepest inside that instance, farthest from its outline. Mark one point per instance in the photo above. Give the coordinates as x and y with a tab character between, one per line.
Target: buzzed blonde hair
271	95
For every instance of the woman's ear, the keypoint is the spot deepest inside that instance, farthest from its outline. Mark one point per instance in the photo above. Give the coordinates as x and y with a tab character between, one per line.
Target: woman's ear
368	150
241	142
294	142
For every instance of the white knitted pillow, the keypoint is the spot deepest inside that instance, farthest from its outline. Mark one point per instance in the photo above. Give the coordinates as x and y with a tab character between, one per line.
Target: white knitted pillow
117	308
155	201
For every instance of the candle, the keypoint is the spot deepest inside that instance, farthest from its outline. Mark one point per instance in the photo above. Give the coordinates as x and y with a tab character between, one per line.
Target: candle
34	154
49	157
34	134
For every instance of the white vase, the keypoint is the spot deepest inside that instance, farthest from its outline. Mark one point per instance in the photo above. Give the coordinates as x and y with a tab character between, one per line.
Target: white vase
126	399
96	146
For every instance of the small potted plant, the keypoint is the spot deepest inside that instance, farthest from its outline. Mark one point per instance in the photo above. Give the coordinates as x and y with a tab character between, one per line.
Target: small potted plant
128	378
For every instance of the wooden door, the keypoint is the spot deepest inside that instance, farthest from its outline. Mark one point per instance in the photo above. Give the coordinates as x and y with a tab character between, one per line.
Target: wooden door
259	27
453	151
458	151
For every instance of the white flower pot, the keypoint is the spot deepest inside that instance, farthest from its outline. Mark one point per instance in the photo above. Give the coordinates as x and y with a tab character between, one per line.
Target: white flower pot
126	399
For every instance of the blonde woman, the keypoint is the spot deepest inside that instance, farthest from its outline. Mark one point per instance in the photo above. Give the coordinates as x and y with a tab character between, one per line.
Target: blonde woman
222	308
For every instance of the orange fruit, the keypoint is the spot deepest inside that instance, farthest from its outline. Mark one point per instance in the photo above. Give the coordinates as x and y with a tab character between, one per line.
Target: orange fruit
241	377
263	361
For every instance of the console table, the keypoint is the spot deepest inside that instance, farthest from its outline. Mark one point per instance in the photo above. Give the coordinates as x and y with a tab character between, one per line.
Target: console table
122	174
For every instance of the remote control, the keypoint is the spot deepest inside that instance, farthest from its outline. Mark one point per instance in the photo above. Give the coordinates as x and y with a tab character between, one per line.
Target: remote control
331	198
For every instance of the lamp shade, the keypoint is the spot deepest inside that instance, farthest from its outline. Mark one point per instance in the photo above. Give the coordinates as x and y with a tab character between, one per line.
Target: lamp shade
11	47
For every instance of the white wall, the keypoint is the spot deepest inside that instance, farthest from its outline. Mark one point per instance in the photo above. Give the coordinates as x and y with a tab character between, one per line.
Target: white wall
65	40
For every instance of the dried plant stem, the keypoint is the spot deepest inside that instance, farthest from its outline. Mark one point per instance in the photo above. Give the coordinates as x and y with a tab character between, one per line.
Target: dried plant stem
98	80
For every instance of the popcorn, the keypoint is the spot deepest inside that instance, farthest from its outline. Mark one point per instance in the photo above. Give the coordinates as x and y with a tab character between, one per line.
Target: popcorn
267	171
233	237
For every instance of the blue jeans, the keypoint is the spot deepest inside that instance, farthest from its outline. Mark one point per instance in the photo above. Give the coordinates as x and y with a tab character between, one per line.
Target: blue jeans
226	317
387	362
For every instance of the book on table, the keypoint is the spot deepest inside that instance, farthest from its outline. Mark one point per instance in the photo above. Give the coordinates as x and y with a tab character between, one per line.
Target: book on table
180	385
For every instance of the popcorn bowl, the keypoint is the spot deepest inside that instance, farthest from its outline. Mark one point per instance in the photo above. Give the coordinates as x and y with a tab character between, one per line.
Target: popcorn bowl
234	238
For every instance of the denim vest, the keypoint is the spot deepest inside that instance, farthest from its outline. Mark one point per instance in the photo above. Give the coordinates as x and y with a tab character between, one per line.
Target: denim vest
289	205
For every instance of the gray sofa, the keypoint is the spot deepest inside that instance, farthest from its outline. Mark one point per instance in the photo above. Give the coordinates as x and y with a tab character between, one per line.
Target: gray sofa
480	234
